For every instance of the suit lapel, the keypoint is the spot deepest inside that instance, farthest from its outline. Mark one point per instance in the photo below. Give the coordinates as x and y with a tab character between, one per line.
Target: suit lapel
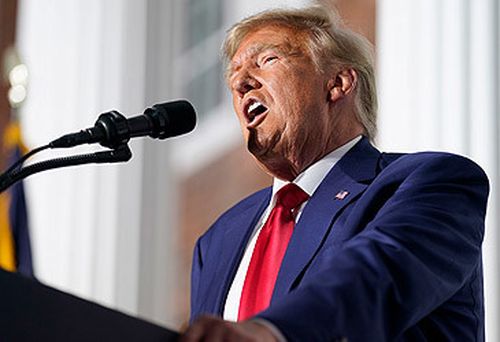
347	180
231	250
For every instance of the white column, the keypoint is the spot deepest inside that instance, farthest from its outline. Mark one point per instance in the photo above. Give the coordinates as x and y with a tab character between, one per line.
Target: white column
60	61
408	67
484	143
438	75
455	72
158	272
85	57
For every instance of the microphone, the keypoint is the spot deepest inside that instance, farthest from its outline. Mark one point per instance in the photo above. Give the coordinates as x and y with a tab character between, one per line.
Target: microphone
112	129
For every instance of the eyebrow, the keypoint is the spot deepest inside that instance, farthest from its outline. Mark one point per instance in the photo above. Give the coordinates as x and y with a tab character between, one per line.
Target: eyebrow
286	49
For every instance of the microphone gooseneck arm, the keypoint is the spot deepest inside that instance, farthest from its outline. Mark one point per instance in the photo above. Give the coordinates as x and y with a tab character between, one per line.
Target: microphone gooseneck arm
119	154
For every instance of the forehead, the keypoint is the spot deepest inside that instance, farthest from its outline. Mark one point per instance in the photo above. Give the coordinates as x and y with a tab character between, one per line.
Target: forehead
274	37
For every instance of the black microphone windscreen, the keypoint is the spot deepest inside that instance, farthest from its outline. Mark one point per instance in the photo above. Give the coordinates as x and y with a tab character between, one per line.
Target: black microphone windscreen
174	118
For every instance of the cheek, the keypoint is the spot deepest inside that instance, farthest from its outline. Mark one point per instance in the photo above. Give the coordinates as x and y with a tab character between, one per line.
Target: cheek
293	90
235	104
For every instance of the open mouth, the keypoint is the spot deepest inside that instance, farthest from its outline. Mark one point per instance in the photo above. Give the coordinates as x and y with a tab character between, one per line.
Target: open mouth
253	112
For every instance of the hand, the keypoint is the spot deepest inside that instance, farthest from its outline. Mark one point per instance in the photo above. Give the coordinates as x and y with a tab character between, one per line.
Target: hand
210	328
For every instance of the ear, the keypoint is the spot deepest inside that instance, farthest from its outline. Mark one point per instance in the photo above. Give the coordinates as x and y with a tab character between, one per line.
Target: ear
343	84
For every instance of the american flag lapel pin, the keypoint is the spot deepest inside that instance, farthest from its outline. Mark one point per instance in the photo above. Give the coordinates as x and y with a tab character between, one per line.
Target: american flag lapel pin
341	195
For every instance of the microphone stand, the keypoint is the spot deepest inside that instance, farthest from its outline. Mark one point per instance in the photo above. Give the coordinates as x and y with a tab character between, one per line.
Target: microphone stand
121	153
111	130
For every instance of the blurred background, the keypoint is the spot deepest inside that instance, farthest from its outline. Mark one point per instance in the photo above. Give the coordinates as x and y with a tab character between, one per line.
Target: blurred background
122	235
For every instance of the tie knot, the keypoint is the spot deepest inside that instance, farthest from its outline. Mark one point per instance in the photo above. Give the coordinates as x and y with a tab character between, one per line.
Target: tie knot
291	196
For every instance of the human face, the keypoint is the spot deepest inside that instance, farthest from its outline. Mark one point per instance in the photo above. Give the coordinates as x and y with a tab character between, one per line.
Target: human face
281	101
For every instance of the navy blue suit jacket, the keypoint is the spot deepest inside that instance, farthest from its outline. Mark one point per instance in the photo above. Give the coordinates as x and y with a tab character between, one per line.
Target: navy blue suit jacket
399	258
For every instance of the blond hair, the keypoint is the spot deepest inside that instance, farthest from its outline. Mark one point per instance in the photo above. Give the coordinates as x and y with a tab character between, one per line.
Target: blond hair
330	44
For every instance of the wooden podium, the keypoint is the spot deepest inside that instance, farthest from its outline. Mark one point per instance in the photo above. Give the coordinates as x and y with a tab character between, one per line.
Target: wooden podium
31	311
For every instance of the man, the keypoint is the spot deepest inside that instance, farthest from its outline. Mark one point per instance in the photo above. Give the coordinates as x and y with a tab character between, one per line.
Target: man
365	245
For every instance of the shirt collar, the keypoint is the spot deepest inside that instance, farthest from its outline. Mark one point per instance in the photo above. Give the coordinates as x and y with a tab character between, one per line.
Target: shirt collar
311	178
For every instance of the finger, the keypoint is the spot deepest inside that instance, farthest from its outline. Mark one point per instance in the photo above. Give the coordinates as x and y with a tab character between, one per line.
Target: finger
198	329
226	331
215	333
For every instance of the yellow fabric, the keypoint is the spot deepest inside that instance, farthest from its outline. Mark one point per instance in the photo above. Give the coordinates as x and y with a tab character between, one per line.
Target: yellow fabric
7	253
12	137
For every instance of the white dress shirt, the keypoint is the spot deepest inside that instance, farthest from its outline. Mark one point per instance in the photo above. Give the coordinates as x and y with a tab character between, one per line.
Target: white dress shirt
309	180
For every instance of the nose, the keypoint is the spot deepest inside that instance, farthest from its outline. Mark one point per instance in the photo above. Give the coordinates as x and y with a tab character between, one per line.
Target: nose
244	83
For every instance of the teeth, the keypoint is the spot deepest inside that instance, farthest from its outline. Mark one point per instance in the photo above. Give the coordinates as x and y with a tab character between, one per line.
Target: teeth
254	106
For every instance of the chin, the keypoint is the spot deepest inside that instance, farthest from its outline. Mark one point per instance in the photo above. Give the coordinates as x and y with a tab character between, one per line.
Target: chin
270	162
259	150
264	143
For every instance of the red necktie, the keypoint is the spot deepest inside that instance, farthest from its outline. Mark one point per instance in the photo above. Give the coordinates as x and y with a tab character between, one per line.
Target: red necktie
269	251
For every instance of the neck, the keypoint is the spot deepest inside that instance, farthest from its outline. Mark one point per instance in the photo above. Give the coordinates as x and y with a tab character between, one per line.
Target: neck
288	170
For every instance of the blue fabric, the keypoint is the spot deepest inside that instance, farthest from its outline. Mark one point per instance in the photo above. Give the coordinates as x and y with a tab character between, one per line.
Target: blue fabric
18	219
399	259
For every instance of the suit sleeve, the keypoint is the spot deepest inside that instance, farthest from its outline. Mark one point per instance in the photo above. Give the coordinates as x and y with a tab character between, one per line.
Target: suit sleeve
196	267
421	247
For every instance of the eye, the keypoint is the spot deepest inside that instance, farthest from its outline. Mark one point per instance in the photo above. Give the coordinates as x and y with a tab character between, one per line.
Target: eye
269	59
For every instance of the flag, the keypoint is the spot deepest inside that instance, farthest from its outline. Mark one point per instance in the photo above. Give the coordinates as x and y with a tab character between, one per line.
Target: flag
15	247
341	195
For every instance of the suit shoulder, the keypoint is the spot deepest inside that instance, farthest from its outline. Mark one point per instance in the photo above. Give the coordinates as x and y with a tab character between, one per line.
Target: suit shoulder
387	158
417	158
442	159
435	167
